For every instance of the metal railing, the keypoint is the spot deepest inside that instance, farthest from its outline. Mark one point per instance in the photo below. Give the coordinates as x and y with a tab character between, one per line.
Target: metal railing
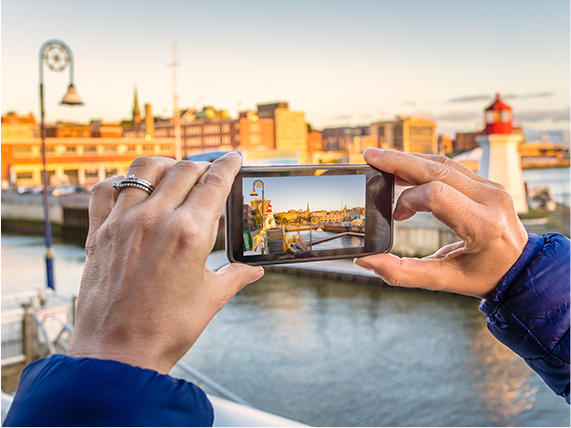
203	380
13	348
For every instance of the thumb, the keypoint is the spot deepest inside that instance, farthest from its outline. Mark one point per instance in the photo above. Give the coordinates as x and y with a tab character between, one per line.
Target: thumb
234	276
405	272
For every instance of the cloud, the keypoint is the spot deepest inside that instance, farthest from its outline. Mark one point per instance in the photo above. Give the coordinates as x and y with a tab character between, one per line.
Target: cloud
528	96
341	117
459	116
484	97
409	103
470	98
561	115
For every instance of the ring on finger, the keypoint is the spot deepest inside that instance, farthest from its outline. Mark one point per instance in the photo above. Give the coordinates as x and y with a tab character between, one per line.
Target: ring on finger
132	181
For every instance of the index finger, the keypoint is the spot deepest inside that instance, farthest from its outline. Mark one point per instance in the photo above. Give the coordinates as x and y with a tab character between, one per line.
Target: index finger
417	170
207	197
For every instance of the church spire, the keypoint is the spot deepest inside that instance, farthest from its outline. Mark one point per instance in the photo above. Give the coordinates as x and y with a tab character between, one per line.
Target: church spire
136	111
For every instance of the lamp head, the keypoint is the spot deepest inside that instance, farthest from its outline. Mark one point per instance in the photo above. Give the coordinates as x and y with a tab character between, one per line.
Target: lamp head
253	193
71	98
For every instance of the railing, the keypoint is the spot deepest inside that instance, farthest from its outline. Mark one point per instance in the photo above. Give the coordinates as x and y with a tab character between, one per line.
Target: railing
26	338
203	380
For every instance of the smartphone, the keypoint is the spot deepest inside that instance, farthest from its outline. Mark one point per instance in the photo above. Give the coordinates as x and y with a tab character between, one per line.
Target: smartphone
302	213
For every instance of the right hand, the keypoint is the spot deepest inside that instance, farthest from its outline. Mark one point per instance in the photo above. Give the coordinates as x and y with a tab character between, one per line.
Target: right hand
477	210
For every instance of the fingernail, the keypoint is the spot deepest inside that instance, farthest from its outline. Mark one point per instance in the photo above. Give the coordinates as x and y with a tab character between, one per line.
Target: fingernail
257	276
372	153
363	264
232	154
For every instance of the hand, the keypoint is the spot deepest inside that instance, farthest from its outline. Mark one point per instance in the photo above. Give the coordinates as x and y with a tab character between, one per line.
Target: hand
146	294
477	210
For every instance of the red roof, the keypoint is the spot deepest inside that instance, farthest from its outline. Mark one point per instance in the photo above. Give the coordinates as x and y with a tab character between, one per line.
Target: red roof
498	104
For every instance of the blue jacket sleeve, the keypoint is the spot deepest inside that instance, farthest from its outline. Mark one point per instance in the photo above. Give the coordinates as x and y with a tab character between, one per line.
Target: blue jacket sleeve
65	391
529	309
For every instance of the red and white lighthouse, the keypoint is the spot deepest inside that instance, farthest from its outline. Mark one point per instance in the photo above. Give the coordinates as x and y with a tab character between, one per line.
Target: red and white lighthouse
501	161
269	221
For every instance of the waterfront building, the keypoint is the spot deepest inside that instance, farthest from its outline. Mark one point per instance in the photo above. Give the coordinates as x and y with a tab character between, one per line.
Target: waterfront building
290	127
406	134
341	138
464	142
445	144
15	126
255	132
314	141
501	161
68	130
77	161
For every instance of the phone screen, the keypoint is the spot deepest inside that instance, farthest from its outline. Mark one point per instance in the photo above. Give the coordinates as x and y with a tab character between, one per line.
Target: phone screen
307	213
287	214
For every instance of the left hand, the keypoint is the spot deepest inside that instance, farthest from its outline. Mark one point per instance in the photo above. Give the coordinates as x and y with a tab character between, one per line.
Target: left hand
146	294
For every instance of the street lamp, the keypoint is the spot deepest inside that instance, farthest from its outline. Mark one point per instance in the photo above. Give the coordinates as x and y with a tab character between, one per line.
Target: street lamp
57	56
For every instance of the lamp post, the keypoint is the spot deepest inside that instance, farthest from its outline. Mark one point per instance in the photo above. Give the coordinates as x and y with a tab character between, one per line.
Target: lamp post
57	56
258	184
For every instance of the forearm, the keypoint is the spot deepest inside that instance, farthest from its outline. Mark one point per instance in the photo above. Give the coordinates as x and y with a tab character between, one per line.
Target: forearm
529	309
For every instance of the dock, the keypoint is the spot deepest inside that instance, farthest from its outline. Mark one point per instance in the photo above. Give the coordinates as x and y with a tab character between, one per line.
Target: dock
343	270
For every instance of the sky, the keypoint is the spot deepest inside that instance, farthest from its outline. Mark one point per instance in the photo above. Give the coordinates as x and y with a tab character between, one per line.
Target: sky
322	193
342	63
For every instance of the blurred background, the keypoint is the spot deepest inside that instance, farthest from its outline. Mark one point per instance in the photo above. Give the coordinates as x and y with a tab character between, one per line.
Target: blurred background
298	83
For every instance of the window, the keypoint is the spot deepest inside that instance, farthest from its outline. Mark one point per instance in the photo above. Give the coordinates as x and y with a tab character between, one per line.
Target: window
254	139
131	149
166	148
50	150
237	137
225	128
237	125
70	150
110	149
254	127
110	172
90	150
226	139
195	141
92	174
23	151
24	175
148	148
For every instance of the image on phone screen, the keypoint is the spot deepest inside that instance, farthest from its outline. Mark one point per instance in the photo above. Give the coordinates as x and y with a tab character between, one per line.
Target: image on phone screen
306	213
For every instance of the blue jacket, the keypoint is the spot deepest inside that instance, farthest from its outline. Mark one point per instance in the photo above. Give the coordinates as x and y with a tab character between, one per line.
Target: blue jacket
528	311
64	391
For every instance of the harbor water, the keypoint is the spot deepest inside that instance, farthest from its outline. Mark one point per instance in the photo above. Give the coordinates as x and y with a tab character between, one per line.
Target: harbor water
559	179
333	353
341	242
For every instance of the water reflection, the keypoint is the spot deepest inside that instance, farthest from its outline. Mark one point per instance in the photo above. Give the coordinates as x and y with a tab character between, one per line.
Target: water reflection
505	383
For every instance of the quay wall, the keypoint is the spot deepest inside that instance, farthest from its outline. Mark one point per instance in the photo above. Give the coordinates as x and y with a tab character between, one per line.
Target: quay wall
31	212
421	238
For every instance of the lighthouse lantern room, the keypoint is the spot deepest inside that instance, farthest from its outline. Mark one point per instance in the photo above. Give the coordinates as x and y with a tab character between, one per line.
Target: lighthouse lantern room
498	117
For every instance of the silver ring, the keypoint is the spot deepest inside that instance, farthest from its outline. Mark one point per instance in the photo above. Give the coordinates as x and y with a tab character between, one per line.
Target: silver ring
132	181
